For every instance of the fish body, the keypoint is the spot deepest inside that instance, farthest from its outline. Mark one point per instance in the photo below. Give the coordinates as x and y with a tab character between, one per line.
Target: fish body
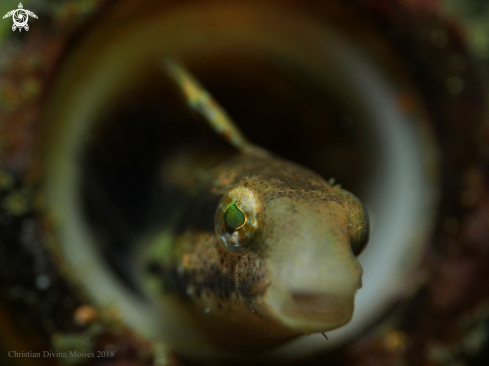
260	250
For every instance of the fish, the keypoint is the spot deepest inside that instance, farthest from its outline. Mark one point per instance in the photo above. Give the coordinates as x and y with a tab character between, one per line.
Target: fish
388	112
260	250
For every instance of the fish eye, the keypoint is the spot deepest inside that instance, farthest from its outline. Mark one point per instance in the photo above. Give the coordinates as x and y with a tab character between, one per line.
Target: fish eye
358	225
358	222
237	220
234	218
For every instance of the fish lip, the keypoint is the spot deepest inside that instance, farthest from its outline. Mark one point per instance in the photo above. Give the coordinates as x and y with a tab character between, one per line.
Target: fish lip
307	311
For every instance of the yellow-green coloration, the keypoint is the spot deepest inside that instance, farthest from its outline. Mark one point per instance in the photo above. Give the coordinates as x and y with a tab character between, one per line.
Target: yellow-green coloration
6	180
17	202
76	346
158	354
277	259
161	354
234	218
358	223
240	239
203	103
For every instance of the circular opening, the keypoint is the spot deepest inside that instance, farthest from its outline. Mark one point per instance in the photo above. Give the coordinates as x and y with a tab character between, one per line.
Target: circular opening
304	93
281	109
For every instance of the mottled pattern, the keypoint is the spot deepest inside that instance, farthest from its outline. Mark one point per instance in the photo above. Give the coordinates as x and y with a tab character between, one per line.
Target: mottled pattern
295	241
422	328
206	270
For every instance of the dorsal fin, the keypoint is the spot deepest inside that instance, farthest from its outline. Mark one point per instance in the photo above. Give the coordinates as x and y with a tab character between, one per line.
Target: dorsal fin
203	103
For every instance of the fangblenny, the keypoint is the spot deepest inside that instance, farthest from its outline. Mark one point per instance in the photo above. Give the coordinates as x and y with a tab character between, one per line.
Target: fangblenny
261	249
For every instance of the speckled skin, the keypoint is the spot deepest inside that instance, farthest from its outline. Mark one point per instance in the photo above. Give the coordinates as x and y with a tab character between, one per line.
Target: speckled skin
441	315
290	270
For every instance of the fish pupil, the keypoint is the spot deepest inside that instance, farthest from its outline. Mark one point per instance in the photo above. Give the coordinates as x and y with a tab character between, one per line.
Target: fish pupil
234	218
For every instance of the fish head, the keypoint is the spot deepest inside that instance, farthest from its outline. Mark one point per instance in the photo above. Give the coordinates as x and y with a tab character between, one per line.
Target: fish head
269	252
301	237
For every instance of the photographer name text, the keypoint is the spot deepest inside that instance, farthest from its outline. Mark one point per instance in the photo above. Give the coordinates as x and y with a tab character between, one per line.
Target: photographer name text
47	354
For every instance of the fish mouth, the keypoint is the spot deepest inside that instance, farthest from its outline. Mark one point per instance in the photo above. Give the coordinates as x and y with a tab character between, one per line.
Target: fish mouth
308	311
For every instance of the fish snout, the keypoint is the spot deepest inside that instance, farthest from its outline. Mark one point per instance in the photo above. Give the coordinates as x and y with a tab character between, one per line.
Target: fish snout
314	297
314	274
308	311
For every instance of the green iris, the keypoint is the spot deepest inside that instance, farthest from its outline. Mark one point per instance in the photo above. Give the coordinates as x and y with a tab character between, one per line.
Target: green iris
234	218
